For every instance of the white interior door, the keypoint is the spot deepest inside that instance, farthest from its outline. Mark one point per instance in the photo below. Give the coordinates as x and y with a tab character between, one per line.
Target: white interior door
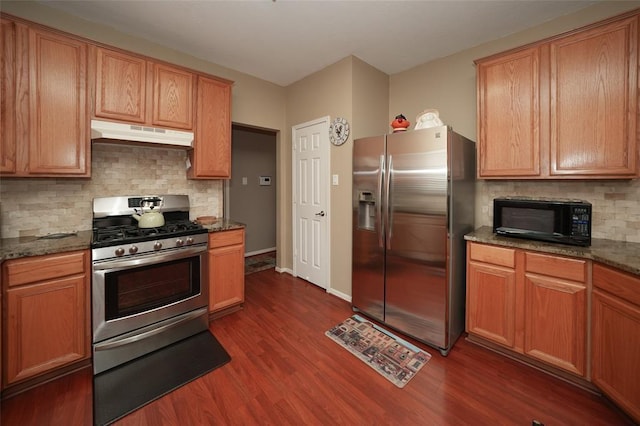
310	201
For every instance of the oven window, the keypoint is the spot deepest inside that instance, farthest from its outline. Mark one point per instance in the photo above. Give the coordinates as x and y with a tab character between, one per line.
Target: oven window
142	289
540	220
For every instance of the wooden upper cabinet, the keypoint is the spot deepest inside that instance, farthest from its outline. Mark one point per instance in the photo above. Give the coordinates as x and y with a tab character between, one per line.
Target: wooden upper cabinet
132	89
59	137
508	114
593	95
121	82
563	108
9	70
211	156
172	97
45	130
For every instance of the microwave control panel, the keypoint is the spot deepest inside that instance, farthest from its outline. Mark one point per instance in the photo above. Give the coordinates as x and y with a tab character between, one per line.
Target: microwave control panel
580	221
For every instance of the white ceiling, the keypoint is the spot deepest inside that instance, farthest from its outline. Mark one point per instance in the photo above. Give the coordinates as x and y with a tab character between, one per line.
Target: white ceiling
283	41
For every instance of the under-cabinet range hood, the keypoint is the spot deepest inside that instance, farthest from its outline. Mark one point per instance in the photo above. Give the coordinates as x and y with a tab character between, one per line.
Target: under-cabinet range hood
109	131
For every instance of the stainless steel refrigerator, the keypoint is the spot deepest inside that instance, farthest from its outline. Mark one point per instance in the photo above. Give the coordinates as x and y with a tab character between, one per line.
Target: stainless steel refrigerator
413	201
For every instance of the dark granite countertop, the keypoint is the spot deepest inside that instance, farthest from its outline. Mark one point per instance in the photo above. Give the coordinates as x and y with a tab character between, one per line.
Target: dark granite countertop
14	248
618	254
224	225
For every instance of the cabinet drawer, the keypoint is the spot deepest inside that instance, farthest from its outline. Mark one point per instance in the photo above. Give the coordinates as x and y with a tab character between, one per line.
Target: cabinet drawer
42	268
226	238
625	286
491	254
559	267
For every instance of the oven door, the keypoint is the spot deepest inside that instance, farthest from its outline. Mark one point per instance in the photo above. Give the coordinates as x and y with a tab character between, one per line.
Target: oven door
130	294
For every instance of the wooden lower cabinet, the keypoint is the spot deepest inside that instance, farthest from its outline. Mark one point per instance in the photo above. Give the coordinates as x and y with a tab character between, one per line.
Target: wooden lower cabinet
46	311
531	303
615	347
555	311
491	293
226	271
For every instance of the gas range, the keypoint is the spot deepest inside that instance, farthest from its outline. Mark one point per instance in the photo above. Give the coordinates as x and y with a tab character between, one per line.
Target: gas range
149	284
116	233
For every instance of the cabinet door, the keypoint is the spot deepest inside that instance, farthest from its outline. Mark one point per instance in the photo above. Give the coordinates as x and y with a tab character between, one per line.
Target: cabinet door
491	302
211	155
593	96
508	115
172	97
45	327
616	350
9	69
226	271
59	139
555	322
120	89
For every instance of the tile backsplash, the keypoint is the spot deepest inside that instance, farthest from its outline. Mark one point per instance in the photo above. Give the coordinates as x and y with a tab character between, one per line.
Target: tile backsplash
46	206
615	211
43	206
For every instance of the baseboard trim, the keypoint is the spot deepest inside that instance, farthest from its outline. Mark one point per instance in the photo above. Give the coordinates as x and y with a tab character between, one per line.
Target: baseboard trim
257	252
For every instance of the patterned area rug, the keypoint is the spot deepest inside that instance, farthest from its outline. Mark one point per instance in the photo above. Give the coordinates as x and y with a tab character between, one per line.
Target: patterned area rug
259	262
394	358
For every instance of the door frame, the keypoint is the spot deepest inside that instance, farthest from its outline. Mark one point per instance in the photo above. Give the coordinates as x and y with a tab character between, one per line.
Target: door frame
326	177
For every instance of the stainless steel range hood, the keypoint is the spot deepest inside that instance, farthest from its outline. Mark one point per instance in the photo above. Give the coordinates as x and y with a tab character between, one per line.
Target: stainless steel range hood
109	131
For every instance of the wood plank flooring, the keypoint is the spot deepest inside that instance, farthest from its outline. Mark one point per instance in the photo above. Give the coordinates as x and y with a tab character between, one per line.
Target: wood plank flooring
285	371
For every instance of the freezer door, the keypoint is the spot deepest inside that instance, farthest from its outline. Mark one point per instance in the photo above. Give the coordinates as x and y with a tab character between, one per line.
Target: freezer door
368	238
416	234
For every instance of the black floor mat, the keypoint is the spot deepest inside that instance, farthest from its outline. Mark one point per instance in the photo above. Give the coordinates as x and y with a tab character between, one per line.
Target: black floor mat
128	387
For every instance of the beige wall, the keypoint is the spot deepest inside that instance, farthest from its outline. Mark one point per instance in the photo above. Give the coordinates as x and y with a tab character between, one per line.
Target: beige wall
358	92
327	92
253	155
448	85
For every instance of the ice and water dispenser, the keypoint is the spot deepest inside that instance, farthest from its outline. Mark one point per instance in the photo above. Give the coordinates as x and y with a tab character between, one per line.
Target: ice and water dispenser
366	210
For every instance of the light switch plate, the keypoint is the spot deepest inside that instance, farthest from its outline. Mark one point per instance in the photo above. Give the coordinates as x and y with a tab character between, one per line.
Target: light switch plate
334	180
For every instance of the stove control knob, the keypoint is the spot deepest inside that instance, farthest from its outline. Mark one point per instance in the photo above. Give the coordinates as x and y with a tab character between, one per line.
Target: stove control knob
119	251
179	242
157	245
189	241
133	249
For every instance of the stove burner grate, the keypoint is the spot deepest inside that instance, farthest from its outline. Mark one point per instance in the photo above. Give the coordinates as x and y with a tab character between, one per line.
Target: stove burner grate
117	234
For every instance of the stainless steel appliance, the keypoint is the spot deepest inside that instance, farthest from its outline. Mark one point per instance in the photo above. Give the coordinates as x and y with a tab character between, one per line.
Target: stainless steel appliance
149	286
557	221
413	201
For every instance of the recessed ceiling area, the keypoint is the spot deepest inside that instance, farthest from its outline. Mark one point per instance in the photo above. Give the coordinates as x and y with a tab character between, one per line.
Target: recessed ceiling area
284	41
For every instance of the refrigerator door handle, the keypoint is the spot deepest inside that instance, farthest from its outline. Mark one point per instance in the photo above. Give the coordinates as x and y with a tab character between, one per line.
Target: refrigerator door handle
387	202
379	203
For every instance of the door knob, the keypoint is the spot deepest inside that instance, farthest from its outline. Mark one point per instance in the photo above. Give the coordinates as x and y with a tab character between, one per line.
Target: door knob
320	214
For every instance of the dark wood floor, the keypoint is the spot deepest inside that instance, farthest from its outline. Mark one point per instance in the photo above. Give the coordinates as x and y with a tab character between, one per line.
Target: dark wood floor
284	371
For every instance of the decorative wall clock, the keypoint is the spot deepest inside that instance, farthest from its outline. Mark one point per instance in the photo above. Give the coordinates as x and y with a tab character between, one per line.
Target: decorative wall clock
339	131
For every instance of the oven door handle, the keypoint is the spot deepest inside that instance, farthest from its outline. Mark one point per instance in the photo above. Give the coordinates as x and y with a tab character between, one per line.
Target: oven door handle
118	342
145	260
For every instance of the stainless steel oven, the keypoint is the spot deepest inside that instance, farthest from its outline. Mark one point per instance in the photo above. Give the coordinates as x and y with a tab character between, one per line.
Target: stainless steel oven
149	286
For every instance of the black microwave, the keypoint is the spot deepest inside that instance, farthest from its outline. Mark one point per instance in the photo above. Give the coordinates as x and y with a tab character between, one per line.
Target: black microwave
565	222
